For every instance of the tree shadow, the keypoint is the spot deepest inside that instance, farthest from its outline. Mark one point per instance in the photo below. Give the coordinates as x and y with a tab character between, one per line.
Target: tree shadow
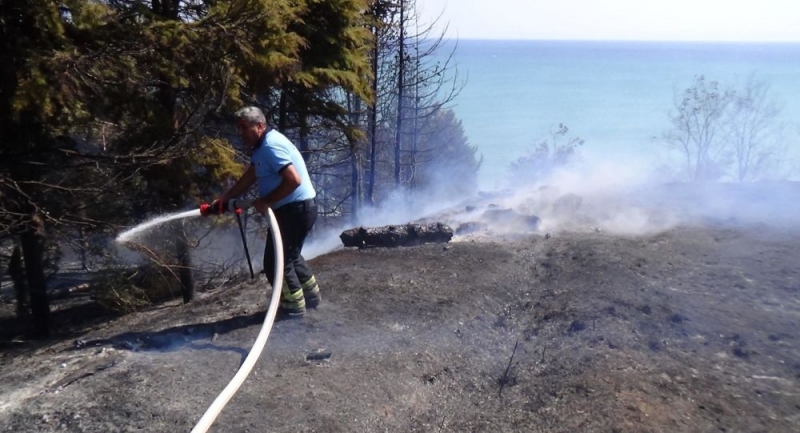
177	338
65	323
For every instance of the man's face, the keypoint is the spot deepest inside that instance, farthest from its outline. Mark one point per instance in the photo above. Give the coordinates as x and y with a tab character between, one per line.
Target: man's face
250	132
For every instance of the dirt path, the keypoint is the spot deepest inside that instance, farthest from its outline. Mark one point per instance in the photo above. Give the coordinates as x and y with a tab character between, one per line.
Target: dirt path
693	329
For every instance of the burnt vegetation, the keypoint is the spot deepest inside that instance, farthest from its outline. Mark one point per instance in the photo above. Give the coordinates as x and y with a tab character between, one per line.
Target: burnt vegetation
491	317
114	112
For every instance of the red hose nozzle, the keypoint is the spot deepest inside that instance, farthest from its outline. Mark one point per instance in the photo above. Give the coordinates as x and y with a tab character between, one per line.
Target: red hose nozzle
232	205
207	210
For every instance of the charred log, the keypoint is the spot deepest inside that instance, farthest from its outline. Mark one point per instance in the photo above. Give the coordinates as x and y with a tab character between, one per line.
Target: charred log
397	236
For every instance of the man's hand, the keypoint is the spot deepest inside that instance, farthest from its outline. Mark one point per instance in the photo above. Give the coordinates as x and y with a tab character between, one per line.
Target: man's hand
238	204
218	206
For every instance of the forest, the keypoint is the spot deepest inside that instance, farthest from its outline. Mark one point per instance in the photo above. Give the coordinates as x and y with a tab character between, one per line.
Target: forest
114	111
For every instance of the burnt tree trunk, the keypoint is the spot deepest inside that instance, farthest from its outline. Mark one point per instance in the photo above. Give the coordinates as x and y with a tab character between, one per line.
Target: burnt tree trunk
355	162
32	252
304	130
373	119
83	242
17	273
401	71
355	185
283	107
185	268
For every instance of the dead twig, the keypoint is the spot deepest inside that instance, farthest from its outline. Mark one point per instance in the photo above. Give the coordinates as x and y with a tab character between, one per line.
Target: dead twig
441	424
504	379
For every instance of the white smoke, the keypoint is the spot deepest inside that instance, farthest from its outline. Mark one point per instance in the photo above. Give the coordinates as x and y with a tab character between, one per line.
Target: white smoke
637	195
401	207
630	195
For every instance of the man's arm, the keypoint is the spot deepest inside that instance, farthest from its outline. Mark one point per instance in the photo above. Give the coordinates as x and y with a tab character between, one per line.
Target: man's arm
290	181
244	183
241	186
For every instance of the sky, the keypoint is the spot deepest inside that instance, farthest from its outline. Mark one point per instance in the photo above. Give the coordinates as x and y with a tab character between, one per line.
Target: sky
644	20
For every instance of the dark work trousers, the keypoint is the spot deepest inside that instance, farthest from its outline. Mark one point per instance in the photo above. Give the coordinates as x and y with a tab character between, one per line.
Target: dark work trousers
295	220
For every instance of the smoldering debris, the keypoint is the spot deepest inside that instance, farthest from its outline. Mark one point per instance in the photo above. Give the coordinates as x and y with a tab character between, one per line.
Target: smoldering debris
511	218
321	354
493	219
397	235
471	227
567	204
90	368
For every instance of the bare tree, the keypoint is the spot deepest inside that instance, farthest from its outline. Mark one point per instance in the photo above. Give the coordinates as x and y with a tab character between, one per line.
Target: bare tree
752	131
382	60
427	81
558	150
401	88
698	129
731	132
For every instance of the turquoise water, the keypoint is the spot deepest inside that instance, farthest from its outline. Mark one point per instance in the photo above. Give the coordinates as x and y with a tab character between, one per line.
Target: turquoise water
614	95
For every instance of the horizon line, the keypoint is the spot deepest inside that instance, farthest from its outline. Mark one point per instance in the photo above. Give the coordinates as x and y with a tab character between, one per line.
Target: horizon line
683	41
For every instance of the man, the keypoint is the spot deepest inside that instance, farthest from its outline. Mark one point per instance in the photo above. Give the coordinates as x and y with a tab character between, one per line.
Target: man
285	186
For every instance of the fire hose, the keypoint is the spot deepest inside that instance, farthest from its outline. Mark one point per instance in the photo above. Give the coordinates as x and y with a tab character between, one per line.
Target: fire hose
237	206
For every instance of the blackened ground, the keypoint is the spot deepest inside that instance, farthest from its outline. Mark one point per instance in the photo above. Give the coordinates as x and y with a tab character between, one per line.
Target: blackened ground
693	329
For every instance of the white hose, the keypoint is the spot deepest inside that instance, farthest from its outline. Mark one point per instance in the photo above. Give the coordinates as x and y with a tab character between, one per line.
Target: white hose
222	399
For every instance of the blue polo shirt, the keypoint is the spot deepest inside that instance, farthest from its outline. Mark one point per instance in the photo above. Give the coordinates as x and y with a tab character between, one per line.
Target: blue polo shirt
270	158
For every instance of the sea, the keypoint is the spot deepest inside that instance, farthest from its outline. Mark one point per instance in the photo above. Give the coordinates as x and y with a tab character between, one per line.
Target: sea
616	96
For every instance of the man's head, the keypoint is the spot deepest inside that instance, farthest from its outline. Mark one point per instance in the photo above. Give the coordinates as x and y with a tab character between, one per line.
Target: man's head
251	124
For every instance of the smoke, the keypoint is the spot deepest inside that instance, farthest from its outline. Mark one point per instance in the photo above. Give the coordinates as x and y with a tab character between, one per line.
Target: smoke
218	250
216	246
620	194
607	188
401	207
637	195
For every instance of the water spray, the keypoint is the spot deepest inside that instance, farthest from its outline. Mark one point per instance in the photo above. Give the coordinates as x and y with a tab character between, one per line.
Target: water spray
236	207
132	233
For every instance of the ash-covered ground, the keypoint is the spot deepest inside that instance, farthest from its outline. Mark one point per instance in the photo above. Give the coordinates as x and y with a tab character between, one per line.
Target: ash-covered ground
668	310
